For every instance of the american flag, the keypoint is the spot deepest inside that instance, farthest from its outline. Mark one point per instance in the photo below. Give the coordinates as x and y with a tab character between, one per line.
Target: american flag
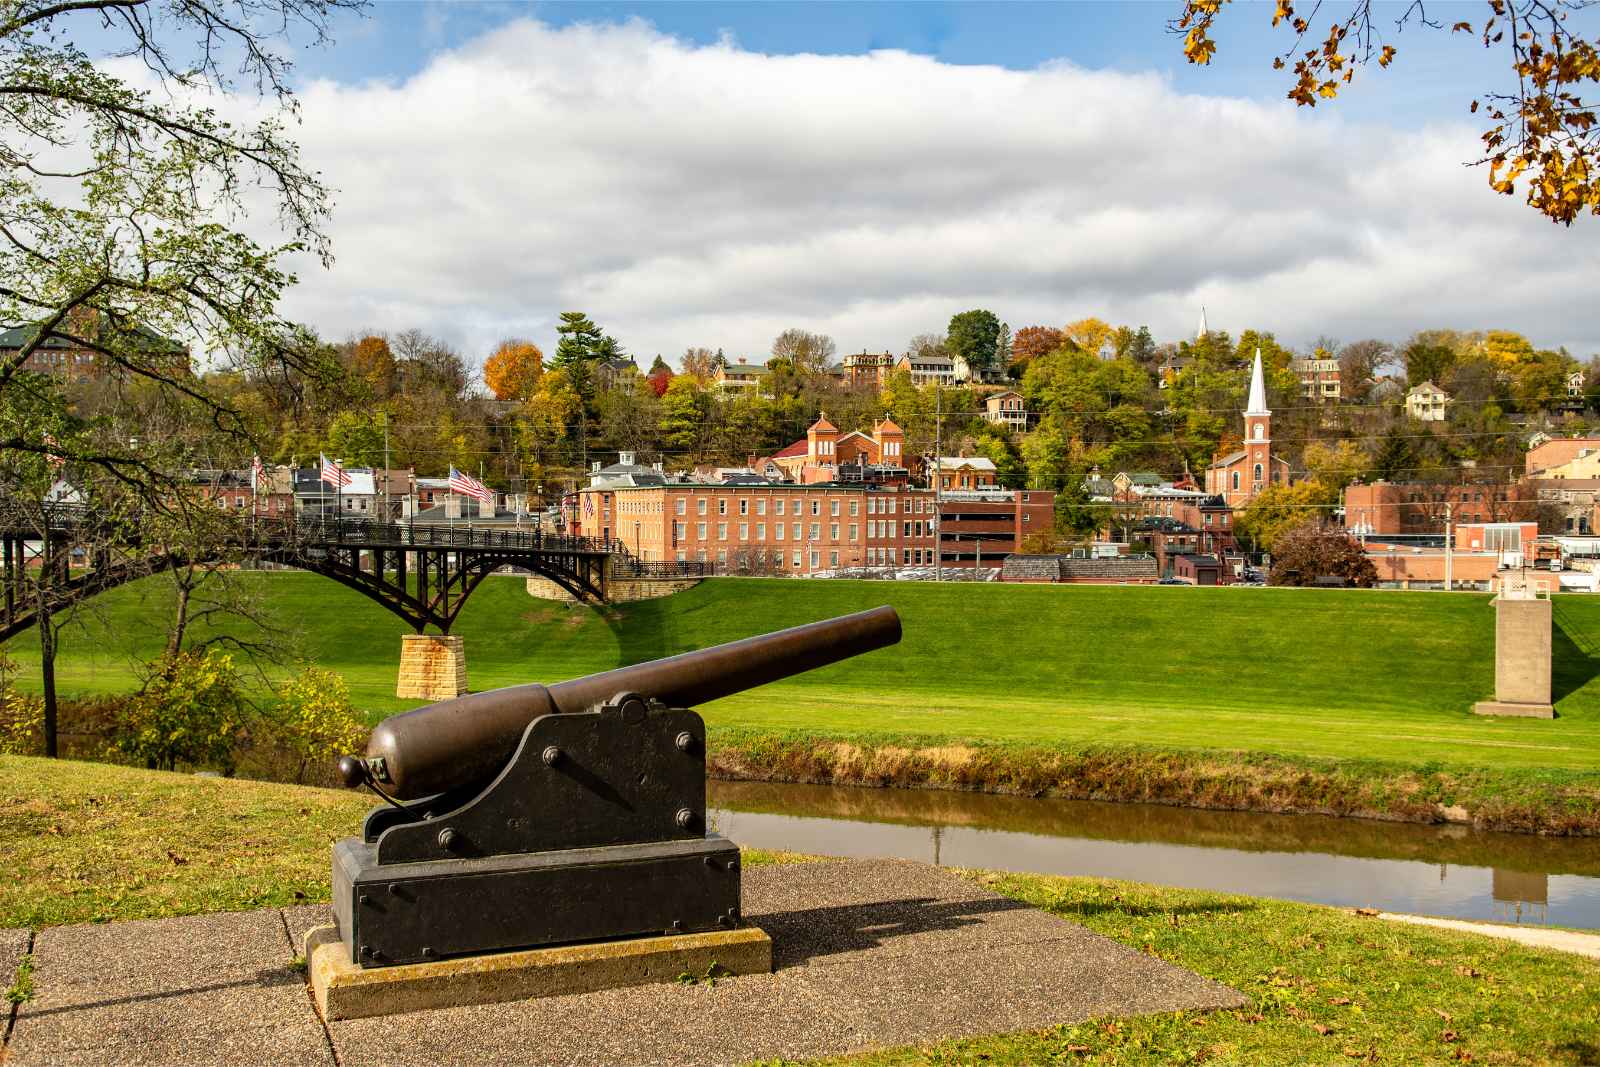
333	474
258	473
467	485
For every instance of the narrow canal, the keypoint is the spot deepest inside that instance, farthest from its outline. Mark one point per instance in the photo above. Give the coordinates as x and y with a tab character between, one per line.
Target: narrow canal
1428	870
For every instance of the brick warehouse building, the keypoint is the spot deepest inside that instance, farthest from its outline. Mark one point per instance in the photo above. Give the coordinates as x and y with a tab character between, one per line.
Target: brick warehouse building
782	528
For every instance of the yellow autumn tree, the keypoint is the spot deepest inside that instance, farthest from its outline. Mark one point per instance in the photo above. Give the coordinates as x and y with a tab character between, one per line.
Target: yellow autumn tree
372	360
1090	334
512	372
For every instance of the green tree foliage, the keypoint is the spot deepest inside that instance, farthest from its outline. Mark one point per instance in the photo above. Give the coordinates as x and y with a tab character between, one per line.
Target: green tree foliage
190	712
314	721
975	337
356	438
140	247
547	420
1278	509
684	409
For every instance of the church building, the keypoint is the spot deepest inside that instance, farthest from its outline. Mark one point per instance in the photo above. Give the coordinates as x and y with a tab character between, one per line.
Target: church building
1238	476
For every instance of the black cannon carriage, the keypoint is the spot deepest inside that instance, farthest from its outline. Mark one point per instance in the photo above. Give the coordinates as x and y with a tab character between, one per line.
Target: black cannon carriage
533	816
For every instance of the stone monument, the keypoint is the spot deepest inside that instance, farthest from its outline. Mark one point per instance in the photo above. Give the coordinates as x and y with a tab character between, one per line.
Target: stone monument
1521	653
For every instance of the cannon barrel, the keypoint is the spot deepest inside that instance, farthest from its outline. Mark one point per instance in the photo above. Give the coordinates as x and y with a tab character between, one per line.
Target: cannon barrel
465	740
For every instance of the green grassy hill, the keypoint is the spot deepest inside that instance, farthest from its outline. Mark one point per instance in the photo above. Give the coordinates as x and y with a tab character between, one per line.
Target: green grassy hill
1330	673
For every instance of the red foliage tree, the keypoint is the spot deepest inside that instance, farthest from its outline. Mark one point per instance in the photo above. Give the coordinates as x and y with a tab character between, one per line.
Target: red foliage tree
1318	549
1031	342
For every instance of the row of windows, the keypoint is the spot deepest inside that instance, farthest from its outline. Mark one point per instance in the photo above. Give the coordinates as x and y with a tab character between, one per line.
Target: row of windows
680	531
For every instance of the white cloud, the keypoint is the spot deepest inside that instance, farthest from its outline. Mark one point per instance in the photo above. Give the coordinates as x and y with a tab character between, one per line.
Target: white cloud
686	195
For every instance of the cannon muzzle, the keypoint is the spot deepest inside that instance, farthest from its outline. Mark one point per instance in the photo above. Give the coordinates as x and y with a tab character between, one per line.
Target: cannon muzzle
457	742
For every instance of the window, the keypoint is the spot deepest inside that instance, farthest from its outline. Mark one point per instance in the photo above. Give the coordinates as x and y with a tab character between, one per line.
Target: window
744	506
680	531
761	531
908	556
777	530
700	532
1235	480
722	506
816	531
795	560
833	507
855	508
682	505
1257	478
744	531
777	507
682	556
700	555
722	555
833	559
797	531
891	505
833	531
701	504
722	531
816	507
853	528
761	507
1259	432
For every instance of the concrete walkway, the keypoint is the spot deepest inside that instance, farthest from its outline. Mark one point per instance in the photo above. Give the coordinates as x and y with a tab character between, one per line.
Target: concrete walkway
866	954
1533	936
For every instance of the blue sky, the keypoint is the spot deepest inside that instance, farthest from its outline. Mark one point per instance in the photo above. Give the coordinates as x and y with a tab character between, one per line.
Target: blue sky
1436	75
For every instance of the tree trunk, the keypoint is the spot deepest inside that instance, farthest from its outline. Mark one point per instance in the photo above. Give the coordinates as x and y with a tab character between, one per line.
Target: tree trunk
47	659
180	619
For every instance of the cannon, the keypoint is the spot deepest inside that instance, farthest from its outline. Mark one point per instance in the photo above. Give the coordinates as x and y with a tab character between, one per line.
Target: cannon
543	815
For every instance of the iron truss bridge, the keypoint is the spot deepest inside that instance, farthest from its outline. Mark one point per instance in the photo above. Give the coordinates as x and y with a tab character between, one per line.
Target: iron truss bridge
423	574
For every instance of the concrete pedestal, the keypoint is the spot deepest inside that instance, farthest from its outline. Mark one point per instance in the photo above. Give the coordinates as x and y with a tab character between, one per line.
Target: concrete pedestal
432	667
345	991
1521	658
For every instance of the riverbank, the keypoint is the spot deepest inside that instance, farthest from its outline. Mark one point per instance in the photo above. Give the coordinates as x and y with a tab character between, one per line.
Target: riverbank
1512	799
92	842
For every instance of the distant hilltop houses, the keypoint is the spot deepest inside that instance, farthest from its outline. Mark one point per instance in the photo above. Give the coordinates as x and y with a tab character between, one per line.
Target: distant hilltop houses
871	369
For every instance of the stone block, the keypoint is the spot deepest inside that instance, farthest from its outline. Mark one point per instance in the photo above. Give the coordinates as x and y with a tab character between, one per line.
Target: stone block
1521	658
1526	711
345	991
432	667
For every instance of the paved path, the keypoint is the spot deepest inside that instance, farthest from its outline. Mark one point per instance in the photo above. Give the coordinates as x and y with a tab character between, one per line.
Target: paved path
1562	940
866	954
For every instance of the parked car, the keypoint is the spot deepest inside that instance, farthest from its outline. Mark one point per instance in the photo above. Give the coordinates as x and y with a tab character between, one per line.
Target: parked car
1173	581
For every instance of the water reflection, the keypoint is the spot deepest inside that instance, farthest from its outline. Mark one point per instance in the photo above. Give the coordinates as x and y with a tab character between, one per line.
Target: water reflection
1450	871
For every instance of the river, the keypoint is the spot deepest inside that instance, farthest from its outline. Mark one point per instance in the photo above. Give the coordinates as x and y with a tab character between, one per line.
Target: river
1403	867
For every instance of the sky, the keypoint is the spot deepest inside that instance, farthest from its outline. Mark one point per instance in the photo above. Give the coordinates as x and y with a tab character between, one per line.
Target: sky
712	174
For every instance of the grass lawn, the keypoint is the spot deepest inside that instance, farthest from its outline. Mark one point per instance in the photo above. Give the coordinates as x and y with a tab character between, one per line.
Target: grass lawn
87	842
1379	675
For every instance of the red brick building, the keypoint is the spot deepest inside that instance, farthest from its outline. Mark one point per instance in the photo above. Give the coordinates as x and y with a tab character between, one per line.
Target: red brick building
1421	507
797	529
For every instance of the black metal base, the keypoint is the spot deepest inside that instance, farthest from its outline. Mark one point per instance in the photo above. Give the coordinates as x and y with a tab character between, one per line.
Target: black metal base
415	912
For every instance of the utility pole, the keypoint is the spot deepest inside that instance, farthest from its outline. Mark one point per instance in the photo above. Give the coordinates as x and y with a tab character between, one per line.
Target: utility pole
386	516
1448	537
938	472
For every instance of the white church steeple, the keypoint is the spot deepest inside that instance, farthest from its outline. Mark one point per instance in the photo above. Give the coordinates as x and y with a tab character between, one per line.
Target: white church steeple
1202	331
1258	389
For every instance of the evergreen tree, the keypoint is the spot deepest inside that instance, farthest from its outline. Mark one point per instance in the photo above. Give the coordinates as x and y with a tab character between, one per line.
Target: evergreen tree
578	349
